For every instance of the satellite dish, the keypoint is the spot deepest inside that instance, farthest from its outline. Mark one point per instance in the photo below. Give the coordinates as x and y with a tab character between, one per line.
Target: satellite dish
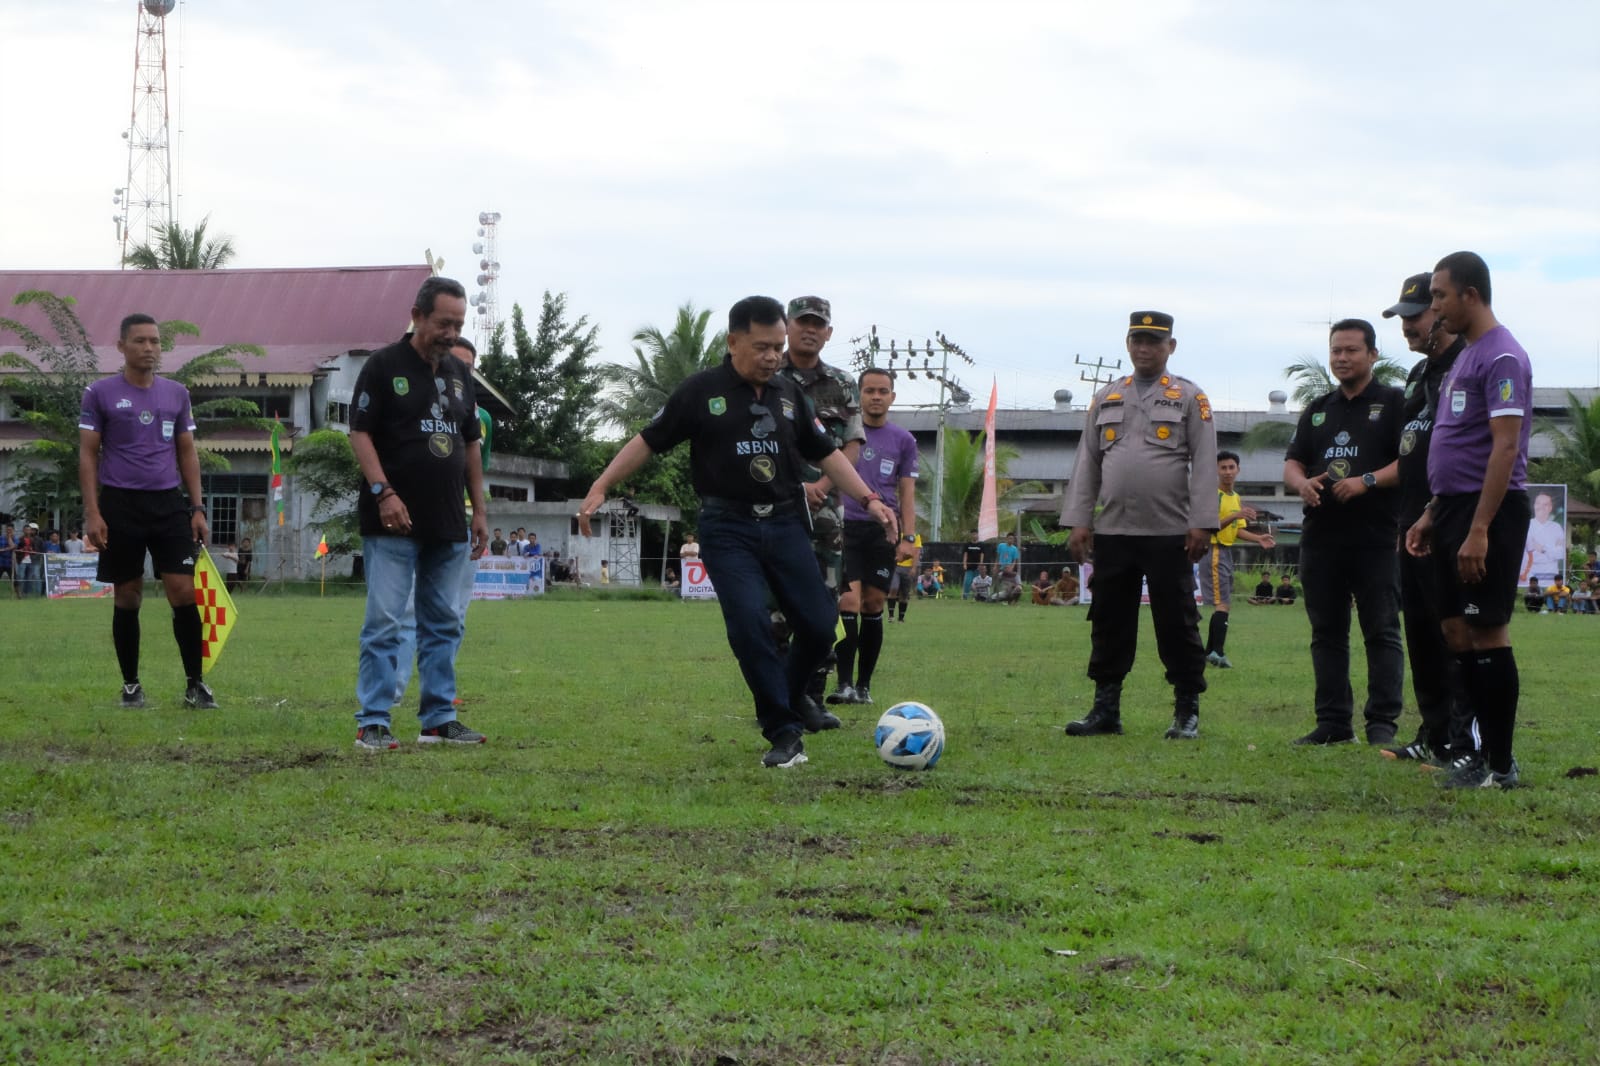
160	8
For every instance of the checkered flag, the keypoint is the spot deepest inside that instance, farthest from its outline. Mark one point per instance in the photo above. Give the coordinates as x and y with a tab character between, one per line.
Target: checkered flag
216	609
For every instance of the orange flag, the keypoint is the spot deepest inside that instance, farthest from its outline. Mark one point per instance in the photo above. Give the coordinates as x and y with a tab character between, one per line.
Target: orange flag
322	547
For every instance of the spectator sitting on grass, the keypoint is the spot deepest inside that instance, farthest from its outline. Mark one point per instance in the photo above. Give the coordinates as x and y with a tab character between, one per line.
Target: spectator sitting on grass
982	584
927	583
1064	593
1041	589
1263	593
671	580
1285	590
1008	587
1558	597
1533	596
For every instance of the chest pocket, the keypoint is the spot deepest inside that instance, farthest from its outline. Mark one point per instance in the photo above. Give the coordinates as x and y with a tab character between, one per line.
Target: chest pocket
1166	428
1108	424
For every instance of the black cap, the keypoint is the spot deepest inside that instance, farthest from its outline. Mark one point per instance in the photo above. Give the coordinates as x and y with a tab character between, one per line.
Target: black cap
1414	297
1150	322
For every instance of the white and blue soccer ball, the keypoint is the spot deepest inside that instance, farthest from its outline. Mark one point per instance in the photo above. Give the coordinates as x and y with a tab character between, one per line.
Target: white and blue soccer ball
909	736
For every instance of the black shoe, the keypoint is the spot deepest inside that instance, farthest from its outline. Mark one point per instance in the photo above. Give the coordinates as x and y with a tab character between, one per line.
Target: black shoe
863	696
788	750
1105	717
199	696
814	717
1327	734
1470	771
1380	736
133	695
1418	750
842	694
1185	718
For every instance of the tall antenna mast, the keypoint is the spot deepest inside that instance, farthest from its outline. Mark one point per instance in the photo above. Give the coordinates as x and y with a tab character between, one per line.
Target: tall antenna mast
487	301
144	203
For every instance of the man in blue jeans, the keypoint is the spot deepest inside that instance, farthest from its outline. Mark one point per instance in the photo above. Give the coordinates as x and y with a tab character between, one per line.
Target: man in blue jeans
749	430
414	432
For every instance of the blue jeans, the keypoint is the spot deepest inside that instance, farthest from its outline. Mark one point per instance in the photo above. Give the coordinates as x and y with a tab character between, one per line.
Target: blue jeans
402	572
745	557
408	627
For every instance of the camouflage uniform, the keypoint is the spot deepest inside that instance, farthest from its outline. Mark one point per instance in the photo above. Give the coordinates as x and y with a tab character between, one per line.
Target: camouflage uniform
837	400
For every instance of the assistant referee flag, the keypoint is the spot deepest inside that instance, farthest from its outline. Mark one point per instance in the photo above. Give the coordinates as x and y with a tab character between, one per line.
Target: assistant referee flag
216	610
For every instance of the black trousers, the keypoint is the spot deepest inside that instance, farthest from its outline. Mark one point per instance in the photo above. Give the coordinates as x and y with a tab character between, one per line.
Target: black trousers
1435	674
1121	564
1332	575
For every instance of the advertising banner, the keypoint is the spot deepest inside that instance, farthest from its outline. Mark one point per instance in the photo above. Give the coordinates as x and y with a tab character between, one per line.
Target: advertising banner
72	576
501	577
696	582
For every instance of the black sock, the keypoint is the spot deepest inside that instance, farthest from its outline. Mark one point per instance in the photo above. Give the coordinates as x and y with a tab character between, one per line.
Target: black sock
1467	668
1497	685
186	627
1217	634
845	650
902	610
871	645
125	638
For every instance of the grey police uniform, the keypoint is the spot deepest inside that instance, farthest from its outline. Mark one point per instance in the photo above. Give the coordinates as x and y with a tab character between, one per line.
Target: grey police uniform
1147	459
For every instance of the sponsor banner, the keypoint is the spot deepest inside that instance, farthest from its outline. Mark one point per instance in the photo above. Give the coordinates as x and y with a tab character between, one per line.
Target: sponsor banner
696	582
71	576
501	577
1544	554
1086	593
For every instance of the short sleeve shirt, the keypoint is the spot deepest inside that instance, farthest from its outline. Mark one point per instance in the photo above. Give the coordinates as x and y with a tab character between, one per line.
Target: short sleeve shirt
1347	436
421	420
1228	503
1491	378
138	429
836	401
742	446
888	454
1422	390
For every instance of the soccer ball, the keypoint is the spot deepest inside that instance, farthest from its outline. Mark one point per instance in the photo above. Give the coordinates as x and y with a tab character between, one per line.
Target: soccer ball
909	736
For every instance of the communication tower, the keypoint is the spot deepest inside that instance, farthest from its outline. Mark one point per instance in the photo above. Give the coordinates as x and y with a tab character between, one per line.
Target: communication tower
145	202
487	299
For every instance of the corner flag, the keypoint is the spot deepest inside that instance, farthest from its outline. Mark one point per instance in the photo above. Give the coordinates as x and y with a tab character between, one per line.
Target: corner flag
322	547
216	610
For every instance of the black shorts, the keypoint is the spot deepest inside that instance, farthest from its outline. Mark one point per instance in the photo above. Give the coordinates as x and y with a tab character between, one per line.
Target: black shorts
140	521
1492	601
868	557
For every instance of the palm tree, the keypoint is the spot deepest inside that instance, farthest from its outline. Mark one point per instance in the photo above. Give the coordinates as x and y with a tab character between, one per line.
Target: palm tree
963	485
664	361
180	249
1311	379
1577	459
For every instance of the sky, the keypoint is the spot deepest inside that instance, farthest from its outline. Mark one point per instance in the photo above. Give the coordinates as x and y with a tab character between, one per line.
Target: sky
1016	175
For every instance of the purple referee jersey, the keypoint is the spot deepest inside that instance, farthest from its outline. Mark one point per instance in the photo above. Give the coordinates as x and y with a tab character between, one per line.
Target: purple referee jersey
138	430
1491	378
888	454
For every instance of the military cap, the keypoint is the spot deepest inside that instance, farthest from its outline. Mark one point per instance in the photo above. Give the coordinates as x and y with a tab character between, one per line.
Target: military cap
1150	322
1414	296
811	305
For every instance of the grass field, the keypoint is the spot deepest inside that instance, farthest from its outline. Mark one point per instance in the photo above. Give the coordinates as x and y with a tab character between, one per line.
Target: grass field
613	878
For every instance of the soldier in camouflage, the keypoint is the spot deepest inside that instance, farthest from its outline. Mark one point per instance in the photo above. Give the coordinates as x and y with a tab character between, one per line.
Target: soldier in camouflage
833	393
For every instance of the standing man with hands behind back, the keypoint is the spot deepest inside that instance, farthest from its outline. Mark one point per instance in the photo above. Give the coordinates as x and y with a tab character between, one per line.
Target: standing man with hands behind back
750	430
1149	456
1341	463
137	465
416	436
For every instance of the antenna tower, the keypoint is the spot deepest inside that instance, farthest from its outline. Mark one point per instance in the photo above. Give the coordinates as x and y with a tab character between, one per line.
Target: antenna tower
145	203
487	299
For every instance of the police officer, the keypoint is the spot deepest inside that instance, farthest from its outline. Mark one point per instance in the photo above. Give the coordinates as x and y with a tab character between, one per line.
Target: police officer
837	401
1341	463
1446	730
1147	460
750	429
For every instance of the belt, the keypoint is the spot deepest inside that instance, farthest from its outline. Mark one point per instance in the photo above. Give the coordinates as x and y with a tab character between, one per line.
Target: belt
752	510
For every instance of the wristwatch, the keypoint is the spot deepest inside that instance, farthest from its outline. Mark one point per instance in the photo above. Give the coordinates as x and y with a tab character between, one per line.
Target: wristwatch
1370	480
377	488
909	538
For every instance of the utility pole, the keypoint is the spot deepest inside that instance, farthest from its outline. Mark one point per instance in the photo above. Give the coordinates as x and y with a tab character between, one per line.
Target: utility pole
1096	374
869	349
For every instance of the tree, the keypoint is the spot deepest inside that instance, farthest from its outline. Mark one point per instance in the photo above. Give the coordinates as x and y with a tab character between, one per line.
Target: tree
548	379
963	486
324	466
50	393
663	362
180	249
1576	462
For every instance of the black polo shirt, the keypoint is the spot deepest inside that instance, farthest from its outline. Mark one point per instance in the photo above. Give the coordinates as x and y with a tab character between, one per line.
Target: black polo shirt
420	421
1348	437
741	446
1416	431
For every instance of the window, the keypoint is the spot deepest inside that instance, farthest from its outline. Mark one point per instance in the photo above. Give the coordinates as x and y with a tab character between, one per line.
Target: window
270	404
223	514
339	413
507	492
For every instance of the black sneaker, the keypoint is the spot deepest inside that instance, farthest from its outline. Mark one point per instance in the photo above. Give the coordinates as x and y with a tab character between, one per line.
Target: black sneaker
789	750
1510	779
814	717
842	694
1380	737
199	696
1184	727
1327	734
452	732
133	695
863	695
375	738
1469	771
1416	750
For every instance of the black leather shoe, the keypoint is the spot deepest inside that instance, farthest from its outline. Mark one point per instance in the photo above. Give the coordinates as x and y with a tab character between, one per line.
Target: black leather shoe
1105	717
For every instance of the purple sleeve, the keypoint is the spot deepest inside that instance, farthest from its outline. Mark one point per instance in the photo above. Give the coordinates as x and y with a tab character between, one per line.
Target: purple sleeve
909	457
89	412
187	414
1506	387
